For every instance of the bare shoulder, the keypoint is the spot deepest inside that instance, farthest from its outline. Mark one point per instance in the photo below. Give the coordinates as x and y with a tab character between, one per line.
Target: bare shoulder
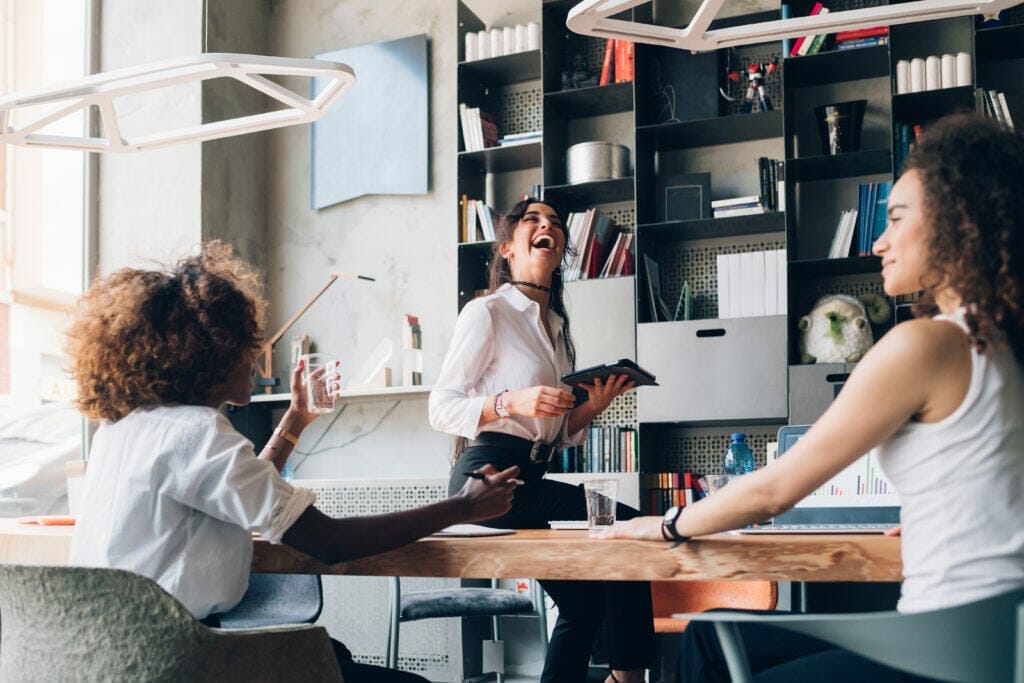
924	342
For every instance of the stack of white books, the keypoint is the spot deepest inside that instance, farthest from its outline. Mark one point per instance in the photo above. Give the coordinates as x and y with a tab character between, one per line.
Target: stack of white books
737	206
752	284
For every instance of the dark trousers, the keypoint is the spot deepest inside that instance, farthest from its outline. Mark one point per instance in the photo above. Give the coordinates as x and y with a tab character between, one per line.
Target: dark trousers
778	656
582	605
353	672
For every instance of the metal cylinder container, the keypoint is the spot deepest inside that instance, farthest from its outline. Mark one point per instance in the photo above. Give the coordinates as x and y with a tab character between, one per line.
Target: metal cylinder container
589	161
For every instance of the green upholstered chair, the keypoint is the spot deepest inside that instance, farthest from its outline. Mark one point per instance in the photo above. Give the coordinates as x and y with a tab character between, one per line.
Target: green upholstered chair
981	642
64	623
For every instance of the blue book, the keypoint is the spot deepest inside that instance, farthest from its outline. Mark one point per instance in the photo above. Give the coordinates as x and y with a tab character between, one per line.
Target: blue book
869	220
881	211
862	212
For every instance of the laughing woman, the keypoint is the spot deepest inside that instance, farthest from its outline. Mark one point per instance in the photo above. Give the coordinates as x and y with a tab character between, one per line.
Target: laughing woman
499	390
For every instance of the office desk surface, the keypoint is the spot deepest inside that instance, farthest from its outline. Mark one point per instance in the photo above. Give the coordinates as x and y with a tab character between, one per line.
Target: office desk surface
548	554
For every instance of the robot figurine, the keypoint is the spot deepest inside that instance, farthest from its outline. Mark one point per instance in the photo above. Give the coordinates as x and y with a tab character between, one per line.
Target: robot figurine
756	73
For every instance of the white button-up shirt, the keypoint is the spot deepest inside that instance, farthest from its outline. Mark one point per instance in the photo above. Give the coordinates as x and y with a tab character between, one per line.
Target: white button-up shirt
173	493
500	344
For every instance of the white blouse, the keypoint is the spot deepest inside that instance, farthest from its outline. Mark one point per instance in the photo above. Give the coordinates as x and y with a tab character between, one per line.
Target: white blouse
173	493
500	344
961	481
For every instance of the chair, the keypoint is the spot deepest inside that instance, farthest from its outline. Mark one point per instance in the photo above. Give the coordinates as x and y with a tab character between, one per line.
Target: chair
110	624
670	597
275	599
981	642
465	602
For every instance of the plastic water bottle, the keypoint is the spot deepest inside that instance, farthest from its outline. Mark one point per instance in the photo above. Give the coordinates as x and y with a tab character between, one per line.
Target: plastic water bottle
738	458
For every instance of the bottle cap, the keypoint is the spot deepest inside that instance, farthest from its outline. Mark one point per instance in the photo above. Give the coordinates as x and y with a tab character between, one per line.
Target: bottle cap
738	436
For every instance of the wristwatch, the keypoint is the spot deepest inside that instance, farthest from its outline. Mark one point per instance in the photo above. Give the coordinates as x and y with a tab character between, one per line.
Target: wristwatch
668	525
499	406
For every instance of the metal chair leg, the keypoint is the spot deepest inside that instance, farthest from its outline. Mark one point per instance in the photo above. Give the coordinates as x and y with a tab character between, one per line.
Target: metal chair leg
735	654
394	622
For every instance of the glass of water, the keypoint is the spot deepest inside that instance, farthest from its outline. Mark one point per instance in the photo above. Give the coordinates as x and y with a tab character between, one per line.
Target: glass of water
601	497
319	398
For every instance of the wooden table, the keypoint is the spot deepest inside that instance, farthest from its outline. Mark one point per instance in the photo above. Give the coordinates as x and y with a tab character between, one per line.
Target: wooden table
545	554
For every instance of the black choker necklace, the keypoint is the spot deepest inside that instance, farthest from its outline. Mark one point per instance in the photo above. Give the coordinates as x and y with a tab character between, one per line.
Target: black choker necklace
532	285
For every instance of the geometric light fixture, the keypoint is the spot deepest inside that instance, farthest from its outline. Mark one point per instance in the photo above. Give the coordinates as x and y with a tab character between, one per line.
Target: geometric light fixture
102	89
594	18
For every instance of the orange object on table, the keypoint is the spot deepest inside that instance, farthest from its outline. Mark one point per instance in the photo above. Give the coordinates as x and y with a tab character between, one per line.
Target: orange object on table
48	520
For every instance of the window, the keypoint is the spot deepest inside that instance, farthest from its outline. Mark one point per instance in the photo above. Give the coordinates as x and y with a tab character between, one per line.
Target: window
42	207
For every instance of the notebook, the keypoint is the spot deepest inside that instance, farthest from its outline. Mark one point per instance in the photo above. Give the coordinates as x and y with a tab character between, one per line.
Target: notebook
858	500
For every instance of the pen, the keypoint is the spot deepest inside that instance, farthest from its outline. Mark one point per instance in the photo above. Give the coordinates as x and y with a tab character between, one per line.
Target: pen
482	477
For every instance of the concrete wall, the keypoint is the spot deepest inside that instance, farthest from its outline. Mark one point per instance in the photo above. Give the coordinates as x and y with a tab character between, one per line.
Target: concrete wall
405	242
234	170
149	203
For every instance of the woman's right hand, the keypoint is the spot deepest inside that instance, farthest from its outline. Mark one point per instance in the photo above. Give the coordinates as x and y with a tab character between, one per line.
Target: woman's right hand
539	401
489	497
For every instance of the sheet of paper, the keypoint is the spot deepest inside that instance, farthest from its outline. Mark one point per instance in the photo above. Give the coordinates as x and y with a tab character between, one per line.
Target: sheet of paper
472	530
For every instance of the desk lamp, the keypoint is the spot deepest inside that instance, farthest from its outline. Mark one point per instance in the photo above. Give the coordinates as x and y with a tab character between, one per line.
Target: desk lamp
594	18
264	368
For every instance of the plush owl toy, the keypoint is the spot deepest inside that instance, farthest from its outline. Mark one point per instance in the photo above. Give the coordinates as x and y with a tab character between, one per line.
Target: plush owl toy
837	330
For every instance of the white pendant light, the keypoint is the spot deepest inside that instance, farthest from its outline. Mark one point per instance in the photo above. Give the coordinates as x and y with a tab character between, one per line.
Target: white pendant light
594	18
102	89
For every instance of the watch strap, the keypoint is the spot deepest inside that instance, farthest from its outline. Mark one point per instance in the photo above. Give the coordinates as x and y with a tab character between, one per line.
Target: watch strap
668	527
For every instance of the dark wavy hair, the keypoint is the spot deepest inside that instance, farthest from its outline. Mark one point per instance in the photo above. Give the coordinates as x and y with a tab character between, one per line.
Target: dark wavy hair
172	336
500	272
972	173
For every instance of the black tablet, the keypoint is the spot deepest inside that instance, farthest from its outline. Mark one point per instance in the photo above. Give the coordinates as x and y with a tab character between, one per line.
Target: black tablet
623	366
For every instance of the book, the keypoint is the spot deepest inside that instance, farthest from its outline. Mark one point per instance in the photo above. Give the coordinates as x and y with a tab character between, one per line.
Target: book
683	303
722	279
658	309
606	64
771	283
799	42
803	43
861	42
732	201
862	33
739	211
819	40
881	213
1001	96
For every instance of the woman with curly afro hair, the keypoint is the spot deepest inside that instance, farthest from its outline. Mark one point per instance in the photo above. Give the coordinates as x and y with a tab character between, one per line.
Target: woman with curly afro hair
172	491
941	397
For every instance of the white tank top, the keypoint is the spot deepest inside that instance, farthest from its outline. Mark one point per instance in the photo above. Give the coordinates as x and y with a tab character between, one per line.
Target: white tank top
961	486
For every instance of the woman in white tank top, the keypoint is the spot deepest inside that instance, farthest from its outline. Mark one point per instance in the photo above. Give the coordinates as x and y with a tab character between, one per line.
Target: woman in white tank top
942	396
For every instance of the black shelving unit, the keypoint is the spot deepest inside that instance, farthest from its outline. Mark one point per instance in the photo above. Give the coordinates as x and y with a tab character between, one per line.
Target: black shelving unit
699	133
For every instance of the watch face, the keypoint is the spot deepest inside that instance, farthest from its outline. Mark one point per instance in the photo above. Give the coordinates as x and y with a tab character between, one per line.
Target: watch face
671	514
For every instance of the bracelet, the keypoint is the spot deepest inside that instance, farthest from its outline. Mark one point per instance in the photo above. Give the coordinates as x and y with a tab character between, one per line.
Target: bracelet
499	406
287	436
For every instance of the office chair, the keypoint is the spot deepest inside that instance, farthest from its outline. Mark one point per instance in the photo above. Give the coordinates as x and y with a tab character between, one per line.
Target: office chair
110	624
275	599
980	642
671	597
464	602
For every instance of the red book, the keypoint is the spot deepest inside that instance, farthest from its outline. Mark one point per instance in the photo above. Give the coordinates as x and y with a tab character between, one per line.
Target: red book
628	61
620	60
606	67
859	33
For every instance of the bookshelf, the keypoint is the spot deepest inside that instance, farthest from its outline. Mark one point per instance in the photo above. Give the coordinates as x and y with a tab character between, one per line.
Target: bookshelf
723	374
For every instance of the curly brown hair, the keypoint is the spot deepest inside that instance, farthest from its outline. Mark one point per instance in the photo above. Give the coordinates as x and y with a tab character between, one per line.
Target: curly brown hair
170	336
972	173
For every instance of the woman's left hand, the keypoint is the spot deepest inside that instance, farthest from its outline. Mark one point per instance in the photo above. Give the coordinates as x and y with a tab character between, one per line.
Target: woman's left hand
603	392
641	528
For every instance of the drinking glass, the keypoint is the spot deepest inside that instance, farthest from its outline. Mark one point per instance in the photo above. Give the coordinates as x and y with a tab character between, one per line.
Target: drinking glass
319	398
601	497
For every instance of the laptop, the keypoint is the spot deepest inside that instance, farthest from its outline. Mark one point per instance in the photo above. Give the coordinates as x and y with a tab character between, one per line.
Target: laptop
858	500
